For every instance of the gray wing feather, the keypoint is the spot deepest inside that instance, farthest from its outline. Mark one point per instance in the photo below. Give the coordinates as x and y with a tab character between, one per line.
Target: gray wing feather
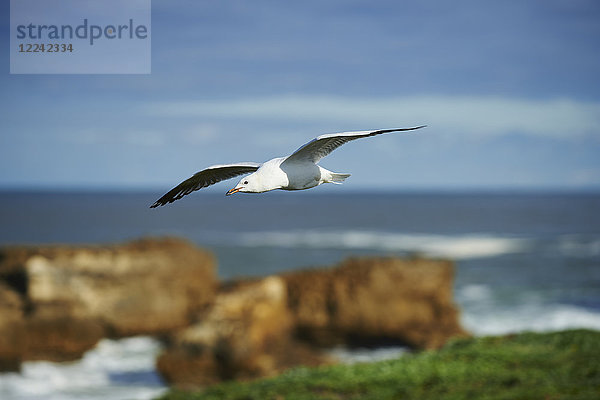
204	178
325	144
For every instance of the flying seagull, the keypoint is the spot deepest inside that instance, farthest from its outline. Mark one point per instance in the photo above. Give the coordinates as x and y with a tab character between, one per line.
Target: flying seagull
297	171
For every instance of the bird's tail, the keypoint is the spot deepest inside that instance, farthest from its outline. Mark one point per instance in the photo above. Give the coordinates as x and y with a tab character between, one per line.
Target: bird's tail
338	178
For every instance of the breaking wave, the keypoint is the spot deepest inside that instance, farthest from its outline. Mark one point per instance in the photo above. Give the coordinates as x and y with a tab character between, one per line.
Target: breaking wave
114	369
579	246
456	247
537	318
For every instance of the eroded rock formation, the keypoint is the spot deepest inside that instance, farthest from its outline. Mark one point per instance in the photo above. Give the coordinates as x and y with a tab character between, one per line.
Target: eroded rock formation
245	334
259	328
373	300
57	301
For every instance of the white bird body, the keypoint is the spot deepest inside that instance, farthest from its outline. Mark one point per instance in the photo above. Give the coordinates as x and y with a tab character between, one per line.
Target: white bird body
298	171
269	176
304	175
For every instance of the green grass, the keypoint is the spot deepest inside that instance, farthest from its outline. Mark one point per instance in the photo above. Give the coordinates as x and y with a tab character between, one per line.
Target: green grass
561	365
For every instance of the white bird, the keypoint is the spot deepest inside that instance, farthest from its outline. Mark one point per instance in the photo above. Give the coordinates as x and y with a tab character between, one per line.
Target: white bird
297	171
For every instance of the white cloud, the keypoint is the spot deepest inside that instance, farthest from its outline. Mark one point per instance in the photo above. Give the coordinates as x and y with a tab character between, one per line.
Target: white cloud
94	136
202	133
187	134
473	115
588	176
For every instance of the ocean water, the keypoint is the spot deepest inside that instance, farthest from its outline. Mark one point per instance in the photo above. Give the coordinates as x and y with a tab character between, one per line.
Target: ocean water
524	261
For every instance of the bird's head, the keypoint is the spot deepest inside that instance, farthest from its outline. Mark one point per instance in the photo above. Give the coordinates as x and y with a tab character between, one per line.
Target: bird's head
248	184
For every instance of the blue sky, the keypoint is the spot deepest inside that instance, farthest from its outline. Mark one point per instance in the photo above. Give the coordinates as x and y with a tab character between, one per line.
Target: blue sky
510	92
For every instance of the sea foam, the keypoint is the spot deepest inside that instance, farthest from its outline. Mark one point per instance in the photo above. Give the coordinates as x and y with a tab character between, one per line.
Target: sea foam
579	245
114	369
452	246
530	317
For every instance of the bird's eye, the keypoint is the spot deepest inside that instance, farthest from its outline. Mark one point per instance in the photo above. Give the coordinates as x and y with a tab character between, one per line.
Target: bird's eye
245	182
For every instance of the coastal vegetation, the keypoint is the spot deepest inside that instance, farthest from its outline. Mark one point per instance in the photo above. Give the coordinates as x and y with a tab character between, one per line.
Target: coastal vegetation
558	365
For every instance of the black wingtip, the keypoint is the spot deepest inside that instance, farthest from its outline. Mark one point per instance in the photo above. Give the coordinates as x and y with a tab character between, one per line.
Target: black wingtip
163	202
167	198
398	130
413	129
160	202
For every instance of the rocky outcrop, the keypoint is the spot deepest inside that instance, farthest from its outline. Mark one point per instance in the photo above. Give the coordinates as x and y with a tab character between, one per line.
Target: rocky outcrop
375	300
245	334
58	301
259	328
59	338
12	329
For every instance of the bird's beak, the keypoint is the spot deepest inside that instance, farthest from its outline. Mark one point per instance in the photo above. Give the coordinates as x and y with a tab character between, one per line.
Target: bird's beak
232	191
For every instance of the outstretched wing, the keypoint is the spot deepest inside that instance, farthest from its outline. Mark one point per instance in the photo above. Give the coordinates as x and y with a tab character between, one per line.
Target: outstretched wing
204	178
325	144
